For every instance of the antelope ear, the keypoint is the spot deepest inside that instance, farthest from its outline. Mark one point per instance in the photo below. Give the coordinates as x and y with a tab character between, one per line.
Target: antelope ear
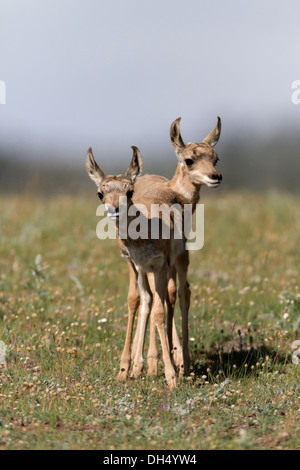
213	137
93	170
136	165
176	138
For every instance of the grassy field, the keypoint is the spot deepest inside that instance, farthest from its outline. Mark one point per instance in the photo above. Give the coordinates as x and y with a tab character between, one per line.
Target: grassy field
63	320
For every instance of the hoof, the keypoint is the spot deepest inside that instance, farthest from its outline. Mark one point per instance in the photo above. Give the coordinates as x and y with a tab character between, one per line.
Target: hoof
184	371
136	370
123	374
181	370
177	356
172	383
152	367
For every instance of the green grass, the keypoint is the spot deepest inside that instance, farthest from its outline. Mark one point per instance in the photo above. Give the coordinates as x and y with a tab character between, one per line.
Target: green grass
63	320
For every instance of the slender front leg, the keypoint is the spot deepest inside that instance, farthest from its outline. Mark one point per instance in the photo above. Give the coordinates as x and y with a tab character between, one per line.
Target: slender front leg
133	300
136	334
184	292
152	351
146	299
160	279
170	302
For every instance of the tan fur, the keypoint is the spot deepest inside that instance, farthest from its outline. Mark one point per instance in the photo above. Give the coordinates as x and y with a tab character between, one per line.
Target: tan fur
184	187
186	182
147	256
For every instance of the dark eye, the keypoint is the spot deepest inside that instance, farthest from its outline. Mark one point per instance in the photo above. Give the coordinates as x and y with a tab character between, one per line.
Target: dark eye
189	161
100	195
129	194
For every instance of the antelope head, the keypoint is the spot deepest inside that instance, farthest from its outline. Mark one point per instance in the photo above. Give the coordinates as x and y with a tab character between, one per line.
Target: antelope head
111	188
198	160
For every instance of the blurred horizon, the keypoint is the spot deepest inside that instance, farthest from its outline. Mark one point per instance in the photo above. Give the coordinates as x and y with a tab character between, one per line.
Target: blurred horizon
114	73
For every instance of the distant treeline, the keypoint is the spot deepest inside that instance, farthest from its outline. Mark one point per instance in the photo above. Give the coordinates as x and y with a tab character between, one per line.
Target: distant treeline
273	165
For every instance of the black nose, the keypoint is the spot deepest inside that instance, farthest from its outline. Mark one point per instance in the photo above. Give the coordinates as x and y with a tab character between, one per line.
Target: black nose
113	210
216	176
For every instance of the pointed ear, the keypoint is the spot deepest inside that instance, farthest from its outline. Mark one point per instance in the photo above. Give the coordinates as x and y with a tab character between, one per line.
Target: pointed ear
176	138
93	170
213	137
136	165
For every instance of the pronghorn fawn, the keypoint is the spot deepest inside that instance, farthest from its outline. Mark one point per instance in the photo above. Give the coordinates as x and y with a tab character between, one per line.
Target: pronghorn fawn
150	257
196	167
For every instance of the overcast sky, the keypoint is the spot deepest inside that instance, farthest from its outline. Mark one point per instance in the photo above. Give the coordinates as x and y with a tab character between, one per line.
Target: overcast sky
115	73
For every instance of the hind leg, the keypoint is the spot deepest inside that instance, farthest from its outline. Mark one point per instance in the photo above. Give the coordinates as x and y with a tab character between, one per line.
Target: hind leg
161	279
184	292
174	342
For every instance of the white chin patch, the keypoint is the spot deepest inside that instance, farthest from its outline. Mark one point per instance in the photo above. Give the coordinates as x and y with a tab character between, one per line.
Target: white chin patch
112	216
212	183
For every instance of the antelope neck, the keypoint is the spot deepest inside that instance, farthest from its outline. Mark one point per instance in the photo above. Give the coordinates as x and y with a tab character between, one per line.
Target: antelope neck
183	185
